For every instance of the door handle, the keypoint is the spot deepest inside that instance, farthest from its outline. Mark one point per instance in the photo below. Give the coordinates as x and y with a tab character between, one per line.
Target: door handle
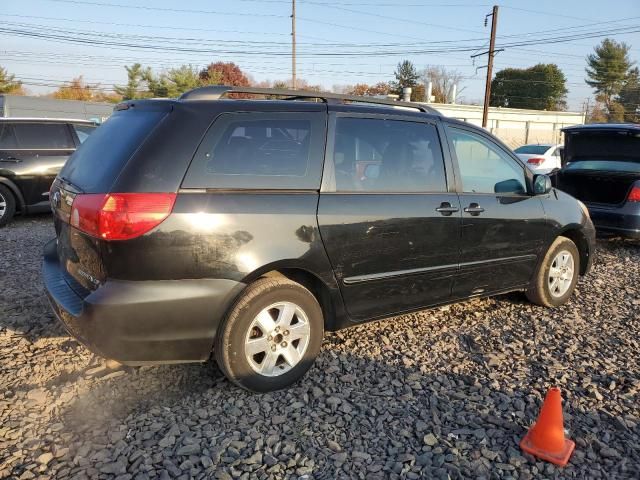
446	209
474	209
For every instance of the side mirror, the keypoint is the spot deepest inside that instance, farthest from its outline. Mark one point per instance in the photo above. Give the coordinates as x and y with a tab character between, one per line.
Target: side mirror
509	186
541	184
372	171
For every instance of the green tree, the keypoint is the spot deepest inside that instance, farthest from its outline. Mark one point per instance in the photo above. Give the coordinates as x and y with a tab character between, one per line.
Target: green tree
406	76
136	86
541	87
9	84
629	97
607	71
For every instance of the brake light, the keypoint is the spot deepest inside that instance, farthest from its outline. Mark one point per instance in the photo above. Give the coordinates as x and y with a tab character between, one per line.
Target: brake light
120	216
634	194
535	161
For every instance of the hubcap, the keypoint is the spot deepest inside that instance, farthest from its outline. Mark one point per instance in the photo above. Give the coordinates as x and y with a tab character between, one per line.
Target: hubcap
277	339
3	205
561	273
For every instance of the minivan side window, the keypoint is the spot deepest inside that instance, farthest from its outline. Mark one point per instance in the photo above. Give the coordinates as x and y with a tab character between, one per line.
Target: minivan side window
379	155
260	150
485	167
55	136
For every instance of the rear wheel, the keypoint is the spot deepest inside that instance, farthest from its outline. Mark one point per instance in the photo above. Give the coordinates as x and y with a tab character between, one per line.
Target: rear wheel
271	337
557	274
7	205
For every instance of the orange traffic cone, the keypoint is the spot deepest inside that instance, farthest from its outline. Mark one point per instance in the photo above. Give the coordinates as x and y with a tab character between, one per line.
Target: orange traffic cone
545	439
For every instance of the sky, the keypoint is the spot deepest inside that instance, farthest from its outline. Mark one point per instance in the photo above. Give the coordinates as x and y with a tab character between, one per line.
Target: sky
339	42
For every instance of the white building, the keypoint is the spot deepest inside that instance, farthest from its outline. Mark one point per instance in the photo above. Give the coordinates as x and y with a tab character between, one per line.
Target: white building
515	126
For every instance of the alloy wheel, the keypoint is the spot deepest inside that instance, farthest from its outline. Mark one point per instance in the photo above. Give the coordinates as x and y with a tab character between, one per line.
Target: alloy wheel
561	273
277	339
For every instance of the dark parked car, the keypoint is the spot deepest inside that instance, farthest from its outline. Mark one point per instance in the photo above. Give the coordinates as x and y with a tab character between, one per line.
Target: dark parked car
249	227
602	168
32	152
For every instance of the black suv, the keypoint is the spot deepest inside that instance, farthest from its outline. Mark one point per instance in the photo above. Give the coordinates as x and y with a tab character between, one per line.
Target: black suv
32	152
249	227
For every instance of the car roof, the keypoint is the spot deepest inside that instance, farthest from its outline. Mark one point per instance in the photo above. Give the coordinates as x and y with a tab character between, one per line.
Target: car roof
604	126
46	120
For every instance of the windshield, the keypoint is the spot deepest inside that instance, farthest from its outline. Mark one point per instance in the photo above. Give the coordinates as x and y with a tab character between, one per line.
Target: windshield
532	149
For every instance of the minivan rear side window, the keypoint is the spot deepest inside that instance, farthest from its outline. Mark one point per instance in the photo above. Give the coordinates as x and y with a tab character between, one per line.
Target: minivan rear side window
41	136
261	151
381	155
100	159
7	136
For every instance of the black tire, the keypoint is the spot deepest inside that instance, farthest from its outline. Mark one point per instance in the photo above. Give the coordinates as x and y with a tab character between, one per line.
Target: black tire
6	197
540	290
229	348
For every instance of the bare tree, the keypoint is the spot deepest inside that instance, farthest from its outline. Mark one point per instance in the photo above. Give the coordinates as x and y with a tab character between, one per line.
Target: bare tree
443	81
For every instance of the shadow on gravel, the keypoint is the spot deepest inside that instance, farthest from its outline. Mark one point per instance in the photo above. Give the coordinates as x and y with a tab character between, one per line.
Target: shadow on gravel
350	416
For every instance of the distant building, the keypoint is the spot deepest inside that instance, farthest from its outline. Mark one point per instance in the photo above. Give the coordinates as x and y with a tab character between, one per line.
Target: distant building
515	126
42	107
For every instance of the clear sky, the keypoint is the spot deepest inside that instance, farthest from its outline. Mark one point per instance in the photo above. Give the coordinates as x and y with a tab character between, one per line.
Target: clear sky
338	42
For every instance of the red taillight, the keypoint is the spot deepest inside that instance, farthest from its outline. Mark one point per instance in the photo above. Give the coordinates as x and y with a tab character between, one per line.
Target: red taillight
535	160
634	194
120	216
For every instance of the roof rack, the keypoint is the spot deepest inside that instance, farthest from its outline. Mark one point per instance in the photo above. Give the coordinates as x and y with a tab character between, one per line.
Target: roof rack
215	92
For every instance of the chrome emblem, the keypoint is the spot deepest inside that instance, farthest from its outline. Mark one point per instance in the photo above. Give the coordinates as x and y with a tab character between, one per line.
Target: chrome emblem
55	199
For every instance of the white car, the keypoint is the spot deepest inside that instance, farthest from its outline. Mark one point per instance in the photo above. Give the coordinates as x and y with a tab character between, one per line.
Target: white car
541	158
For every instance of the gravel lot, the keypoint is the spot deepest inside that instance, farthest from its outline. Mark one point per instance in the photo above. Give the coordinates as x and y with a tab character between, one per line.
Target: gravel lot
446	393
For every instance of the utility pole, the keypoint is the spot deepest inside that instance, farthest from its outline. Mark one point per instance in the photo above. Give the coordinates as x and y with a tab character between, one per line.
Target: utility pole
293	44
492	46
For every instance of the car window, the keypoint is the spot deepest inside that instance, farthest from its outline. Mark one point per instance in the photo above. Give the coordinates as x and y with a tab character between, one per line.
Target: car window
43	136
260	150
376	155
484	166
532	149
7	136
83	131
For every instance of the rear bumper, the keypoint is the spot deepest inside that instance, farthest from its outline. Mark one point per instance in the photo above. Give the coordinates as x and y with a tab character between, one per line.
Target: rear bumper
141	322
619	220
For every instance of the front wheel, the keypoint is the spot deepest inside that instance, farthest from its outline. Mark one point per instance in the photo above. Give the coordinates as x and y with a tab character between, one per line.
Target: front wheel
557	274
271	337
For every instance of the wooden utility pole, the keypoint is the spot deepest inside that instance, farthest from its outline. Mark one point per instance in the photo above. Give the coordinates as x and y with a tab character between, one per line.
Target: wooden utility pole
492	45
293	44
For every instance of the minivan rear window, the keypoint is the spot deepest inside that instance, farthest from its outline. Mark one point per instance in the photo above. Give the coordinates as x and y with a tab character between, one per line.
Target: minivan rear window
98	161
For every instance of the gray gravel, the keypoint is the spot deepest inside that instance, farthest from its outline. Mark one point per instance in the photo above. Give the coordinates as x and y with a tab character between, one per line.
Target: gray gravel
445	393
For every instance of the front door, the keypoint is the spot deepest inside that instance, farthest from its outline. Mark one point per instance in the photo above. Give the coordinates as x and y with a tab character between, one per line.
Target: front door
388	220
503	226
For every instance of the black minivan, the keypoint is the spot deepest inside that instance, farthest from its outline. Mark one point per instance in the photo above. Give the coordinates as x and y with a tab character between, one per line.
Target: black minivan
248	227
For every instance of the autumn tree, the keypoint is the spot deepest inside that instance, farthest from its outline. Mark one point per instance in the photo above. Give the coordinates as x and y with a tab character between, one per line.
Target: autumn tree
607	71
76	89
9	84
224	73
442	82
541	87
363	89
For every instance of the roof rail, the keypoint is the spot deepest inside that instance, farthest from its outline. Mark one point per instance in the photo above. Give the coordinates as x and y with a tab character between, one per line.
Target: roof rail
215	92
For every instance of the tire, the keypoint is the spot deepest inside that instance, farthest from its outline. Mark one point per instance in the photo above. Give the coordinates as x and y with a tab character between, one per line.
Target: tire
280	357
7	205
543	291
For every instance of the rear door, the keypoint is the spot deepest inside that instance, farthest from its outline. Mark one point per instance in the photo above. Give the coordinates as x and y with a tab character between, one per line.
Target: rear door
503	226
388	218
42	149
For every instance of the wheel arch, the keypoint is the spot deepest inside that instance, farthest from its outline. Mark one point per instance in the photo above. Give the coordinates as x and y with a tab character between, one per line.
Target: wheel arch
21	206
329	298
577	236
